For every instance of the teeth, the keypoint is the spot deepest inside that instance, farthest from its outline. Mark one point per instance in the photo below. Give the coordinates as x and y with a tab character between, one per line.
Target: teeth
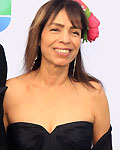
62	51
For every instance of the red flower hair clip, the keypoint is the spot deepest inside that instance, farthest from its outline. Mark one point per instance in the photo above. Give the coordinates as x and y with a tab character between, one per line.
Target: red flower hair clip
93	31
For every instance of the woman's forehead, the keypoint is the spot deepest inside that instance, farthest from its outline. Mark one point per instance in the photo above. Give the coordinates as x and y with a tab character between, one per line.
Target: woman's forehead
63	19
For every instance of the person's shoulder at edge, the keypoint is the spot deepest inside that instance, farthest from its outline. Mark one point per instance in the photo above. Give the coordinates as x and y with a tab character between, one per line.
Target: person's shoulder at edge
15	83
97	100
100	111
15	87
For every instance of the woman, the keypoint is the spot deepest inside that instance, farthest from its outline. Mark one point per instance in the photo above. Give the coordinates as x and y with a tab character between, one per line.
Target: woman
3	75
56	105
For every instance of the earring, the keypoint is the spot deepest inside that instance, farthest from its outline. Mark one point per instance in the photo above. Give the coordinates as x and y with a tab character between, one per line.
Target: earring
74	66
33	63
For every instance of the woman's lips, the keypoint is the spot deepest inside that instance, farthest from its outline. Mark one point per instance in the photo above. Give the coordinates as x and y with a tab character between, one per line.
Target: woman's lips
62	51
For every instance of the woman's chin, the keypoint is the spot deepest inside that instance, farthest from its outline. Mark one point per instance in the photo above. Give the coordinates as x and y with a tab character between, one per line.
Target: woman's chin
61	64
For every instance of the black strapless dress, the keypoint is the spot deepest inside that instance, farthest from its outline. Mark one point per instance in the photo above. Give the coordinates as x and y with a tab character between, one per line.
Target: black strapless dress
69	136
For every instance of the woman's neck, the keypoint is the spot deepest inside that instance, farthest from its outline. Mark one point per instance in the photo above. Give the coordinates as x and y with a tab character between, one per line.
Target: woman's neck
53	76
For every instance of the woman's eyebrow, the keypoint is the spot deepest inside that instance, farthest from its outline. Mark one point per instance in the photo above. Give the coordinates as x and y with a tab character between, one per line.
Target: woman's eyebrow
61	25
75	27
56	24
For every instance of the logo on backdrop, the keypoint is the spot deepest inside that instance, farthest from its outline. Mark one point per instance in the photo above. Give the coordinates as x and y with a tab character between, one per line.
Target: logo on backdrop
5	14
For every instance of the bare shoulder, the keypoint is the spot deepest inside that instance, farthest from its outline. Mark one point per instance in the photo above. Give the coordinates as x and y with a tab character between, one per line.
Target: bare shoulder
98	95
100	111
16	87
98	104
15	84
93	93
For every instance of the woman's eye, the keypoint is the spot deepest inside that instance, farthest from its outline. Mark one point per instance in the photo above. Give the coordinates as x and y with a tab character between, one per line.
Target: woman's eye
54	29
76	33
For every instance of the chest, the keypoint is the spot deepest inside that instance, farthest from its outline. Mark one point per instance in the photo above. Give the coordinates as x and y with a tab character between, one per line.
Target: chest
51	108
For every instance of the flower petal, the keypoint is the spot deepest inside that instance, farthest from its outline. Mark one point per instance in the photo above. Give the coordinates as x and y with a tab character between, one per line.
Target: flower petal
93	21
93	33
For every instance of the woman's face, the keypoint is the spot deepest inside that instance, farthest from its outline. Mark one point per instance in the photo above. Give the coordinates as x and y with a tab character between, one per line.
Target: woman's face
60	41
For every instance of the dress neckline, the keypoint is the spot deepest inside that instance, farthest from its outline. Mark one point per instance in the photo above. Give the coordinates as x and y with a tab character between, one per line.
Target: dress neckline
57	126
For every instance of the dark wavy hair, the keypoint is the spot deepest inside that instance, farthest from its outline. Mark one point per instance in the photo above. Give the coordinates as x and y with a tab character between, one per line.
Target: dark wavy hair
77	17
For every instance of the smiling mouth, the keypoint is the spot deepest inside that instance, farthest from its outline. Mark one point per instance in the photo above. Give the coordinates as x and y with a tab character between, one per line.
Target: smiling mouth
62	51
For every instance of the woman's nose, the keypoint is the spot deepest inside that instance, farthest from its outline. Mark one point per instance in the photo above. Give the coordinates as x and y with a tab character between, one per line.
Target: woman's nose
65	37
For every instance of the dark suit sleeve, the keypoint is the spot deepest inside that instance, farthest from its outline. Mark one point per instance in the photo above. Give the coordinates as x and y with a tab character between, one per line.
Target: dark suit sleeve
105	142
3	75
3	67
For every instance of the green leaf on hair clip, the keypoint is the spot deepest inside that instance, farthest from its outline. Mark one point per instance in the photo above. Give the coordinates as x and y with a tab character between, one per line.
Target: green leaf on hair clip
87	13
85	39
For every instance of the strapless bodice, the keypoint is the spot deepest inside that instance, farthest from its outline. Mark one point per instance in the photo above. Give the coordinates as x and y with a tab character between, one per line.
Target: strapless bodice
69	136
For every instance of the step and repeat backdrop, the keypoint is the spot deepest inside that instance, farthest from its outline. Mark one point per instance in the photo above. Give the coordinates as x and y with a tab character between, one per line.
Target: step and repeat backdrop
101	58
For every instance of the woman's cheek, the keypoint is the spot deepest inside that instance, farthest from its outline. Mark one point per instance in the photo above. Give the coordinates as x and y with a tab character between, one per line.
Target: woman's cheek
77	43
